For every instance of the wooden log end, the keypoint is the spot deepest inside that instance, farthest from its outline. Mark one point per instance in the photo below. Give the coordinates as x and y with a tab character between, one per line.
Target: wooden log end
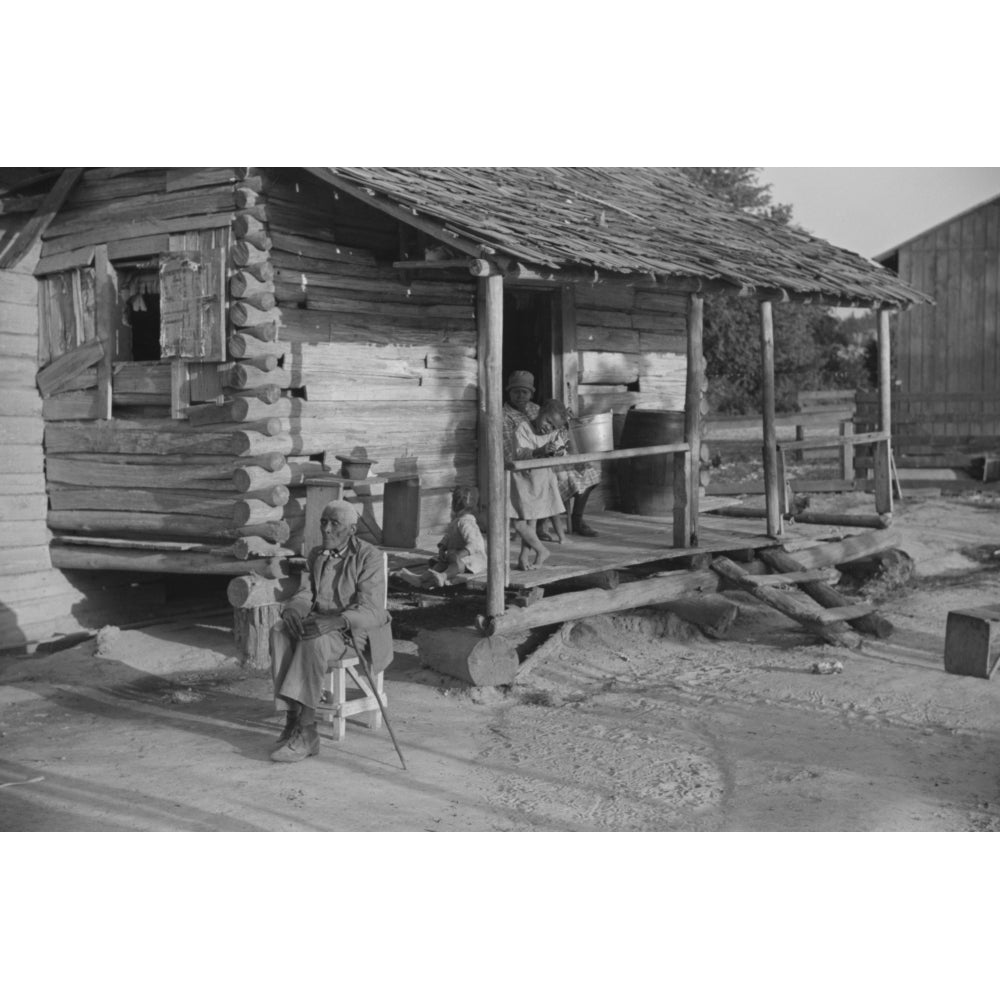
468	655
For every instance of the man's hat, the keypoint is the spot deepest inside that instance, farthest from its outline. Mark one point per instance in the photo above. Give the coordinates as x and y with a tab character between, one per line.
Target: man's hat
521	380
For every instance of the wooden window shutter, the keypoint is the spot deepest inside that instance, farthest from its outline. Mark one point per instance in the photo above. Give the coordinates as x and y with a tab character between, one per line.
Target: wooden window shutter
192	305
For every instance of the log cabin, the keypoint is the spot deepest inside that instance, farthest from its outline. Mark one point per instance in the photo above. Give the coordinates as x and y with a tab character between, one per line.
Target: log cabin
197	344
947	359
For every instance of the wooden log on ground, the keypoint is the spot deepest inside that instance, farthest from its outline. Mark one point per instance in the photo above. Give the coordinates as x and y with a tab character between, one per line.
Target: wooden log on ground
848	550
252	636
712	613
834	633
657	589
824	594
844	520
738	511
468	655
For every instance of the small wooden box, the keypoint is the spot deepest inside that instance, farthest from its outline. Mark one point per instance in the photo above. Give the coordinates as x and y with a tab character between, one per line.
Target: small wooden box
972	641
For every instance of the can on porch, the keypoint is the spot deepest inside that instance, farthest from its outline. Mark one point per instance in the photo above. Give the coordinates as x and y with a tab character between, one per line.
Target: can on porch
645	485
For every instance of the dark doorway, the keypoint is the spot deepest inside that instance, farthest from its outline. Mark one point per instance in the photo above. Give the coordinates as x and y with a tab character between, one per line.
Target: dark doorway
527	337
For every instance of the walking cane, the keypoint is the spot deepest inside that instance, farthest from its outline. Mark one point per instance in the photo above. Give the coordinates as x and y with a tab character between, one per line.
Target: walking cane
381	705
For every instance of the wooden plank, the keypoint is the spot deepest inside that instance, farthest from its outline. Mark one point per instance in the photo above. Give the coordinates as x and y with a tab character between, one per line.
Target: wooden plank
202	503
23	507
28	534
70	261
818	620
20	431
54	377
17	289
18	371
18	320
151	226
186	178
20	403
82	405
192	305
105	323
38	223
20	457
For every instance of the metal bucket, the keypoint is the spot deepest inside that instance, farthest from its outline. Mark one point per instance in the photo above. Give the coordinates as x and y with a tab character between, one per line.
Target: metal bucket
594	433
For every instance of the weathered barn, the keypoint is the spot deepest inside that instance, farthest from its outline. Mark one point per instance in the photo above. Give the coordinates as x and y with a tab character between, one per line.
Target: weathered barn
947	358
202	338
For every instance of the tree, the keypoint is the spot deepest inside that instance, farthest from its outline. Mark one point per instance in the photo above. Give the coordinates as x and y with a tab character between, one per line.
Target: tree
732	325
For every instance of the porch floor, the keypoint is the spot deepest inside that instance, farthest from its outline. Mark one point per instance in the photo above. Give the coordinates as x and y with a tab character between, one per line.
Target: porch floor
629	540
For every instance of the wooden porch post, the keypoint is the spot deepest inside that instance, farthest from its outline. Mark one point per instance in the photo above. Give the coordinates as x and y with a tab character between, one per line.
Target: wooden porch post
490	319
772	487
692	407
882	467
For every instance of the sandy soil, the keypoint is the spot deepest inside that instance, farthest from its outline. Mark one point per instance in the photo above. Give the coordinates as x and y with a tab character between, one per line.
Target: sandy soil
631	722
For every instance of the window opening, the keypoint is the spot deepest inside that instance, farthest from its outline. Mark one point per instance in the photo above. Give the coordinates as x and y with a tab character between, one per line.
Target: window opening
139	295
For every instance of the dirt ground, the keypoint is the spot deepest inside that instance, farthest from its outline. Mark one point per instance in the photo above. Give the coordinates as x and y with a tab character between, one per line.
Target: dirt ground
633	723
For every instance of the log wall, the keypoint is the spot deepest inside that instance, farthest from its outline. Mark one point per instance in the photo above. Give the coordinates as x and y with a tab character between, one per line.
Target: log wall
378	358
152	471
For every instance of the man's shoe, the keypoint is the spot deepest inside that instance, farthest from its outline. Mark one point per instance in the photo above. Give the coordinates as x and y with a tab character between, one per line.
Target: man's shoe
291	724
582	528
303	743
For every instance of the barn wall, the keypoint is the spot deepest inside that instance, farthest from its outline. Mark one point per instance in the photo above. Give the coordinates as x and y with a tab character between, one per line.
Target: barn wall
378	358
948	355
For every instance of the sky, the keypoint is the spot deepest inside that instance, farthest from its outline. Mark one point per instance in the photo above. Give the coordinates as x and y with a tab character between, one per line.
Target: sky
872	209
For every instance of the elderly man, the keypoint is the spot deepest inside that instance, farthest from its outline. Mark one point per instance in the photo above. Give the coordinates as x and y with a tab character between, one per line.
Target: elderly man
339	598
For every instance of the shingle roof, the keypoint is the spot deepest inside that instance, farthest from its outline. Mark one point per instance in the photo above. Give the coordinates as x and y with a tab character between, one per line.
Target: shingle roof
647	220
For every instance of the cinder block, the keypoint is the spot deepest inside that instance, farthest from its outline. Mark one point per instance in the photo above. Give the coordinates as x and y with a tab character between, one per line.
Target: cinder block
972	641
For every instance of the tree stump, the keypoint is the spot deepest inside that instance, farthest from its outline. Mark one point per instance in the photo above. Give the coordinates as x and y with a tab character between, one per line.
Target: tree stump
252	636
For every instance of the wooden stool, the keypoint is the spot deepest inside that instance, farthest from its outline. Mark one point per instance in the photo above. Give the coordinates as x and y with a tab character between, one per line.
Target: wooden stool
339	704
970	645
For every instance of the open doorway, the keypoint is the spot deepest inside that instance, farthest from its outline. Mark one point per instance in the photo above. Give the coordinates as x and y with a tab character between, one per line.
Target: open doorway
528	337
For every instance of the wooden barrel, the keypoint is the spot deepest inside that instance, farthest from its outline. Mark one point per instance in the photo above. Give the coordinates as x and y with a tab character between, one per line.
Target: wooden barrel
645	485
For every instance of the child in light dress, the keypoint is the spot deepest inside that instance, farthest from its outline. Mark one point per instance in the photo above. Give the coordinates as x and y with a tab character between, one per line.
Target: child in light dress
534	493
462	549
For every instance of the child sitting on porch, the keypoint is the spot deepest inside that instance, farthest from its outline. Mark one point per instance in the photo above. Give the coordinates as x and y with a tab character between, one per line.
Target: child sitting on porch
462	549
534	493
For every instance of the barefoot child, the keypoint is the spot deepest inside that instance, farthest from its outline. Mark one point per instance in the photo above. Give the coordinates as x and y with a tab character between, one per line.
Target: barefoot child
462	549
534	493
